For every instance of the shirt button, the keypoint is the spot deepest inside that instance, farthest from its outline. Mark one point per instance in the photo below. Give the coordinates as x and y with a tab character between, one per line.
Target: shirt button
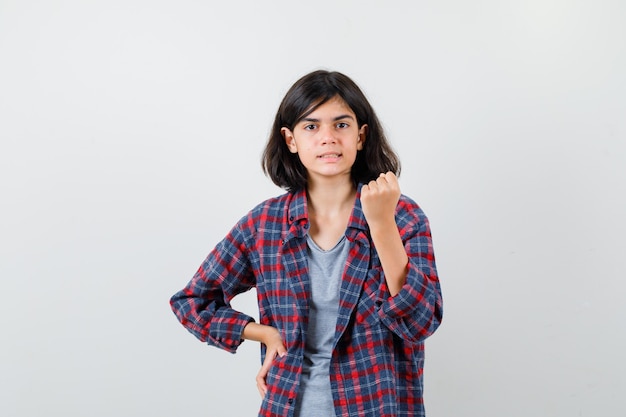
291	218
290	401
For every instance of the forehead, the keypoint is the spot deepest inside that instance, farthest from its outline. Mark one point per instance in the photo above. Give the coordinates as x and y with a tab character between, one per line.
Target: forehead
334	107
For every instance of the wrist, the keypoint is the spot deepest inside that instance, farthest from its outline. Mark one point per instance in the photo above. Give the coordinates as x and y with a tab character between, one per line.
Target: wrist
385	225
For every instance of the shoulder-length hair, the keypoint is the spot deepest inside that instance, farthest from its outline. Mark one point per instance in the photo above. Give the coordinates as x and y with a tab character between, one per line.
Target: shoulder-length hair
307	94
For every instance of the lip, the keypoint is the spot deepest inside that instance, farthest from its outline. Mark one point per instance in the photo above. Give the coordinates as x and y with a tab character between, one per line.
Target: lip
330	155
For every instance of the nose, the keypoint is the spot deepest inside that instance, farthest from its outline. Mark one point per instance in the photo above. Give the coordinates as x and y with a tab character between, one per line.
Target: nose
327	135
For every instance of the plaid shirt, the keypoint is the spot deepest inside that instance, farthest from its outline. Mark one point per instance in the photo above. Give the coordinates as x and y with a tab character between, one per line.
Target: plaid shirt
377	361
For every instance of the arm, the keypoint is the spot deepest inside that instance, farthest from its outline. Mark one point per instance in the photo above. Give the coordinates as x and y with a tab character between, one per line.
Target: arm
415	308
203	306
379	200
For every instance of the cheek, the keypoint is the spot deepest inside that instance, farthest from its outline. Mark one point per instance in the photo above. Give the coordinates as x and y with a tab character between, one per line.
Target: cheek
305	153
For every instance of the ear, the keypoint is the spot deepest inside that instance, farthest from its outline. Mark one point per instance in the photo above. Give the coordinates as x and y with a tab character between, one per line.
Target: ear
289	139
361	138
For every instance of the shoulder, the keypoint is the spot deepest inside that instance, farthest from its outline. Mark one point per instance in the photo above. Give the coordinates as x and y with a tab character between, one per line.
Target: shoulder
264	221
272	206
270	211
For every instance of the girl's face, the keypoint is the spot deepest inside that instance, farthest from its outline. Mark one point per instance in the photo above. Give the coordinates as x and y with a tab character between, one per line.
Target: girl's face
327	140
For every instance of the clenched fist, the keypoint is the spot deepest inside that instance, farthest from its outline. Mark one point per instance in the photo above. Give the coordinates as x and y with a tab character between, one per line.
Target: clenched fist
379	199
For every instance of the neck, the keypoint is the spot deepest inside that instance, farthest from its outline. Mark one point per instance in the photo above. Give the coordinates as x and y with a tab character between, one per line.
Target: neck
327	198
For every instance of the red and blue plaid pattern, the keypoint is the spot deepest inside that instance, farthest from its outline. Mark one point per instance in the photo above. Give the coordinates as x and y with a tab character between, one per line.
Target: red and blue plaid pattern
377	363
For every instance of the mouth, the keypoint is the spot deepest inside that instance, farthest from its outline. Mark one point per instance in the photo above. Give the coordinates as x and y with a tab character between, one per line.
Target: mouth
329	156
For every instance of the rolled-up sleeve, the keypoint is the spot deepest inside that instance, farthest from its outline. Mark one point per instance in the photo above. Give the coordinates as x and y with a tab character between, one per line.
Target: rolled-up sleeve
203	305
417	310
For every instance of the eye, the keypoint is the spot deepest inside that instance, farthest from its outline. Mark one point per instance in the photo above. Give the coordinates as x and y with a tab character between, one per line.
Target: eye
342	125
309	127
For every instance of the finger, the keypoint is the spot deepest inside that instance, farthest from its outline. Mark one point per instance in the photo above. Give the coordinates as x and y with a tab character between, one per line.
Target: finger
260	380
373	185
385	183
267	364
389	177
260	377
260	383
391	180
281	351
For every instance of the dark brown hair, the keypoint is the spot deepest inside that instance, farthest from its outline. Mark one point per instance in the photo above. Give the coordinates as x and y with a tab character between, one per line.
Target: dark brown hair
305	95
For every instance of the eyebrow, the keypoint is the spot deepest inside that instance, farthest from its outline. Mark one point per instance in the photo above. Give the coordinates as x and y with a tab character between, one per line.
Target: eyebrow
343	116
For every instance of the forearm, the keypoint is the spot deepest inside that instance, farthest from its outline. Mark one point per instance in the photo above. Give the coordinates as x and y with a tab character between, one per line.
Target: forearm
391	252
260	333
417	313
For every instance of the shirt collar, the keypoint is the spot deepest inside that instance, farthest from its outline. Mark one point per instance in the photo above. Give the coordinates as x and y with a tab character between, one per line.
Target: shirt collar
297	207
298	210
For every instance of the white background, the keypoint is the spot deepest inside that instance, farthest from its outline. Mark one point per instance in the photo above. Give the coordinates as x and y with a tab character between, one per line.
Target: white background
131	134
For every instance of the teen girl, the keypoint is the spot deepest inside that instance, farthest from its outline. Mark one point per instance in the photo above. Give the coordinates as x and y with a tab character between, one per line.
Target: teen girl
342	263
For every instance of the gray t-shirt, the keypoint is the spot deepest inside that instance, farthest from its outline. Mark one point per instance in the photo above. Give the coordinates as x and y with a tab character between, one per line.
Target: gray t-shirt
325	271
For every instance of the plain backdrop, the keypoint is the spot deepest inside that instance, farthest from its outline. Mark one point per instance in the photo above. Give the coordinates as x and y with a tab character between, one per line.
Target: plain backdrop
131	134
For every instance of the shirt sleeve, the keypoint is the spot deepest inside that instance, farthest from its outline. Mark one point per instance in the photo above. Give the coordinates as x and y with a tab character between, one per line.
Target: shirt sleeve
203	306
417	310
